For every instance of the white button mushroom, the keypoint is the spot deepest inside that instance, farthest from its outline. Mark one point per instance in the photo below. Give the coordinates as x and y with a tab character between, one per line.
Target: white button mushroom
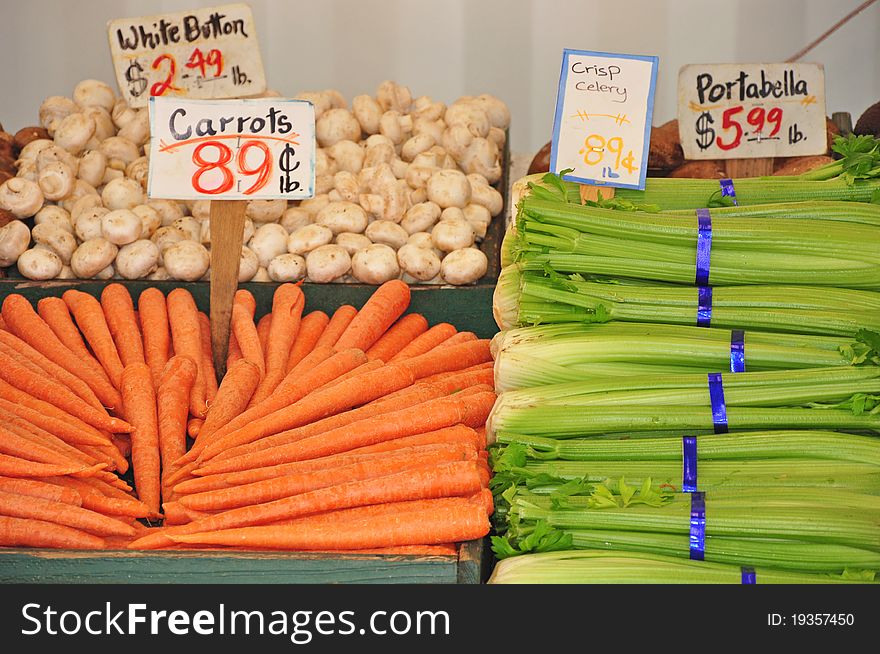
122	193
74	131
121	226
464	266
39	264
496	110
92	166
189	226
368	112
54	154
121	113
201	209
268	242
119	152
425	108
186	261
421	217
421	263
336	125
449	188
159	275
452	213
395	126
482	157
54	109
393	96
470	115
80	190
307	238
479	218
150	220
294	218
287	268
265	211
346	186
415	145
313	205
351	242
104	127
92	258
247	265
58	240
165	237
94	92
348	155
56	181
423	240
376	264
342	217
205	232
450	235
387	232
66	273
87	223
137	260
139	171
110	174
52	214
261	276
21	197
137	130
14	240
485	195
168	210
326	263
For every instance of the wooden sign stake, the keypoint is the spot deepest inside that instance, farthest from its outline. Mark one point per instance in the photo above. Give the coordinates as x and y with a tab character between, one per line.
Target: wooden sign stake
740	168
227	234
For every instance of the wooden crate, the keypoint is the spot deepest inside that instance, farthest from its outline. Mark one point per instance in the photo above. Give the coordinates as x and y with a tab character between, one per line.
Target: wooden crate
468	308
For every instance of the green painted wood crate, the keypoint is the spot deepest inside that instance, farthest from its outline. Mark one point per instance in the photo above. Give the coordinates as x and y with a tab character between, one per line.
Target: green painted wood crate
468	308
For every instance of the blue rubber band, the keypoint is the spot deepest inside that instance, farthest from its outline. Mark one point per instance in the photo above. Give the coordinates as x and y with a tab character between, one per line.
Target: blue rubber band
728	190
748	576
737	351
719	408
704	306
697	538
689	464
704	246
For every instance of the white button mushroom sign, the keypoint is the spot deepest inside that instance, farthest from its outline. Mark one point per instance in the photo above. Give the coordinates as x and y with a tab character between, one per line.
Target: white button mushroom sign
602	127
232	149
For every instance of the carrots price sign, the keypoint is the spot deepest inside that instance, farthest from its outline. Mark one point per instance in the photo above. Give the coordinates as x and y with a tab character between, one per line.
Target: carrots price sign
204	53
742	111
232	149
602	127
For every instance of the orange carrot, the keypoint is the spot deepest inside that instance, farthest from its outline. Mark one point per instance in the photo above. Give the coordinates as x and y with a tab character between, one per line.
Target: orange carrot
207	358
287	307
3	324
234	351
122	506
418	419
460	478
339	322
122	442
465	521
25	532
72	430
481	371
460	337
183	318
308	362
272	489
139	400
401	334
177	514
16	466
19	506
109	455
233	396
448	359
264	324
41	489
380	311
153	315
342	397
425	342
89	316
455	434
119	314
172	399
247	337
194	426
360	370
310	329
48	390
246	298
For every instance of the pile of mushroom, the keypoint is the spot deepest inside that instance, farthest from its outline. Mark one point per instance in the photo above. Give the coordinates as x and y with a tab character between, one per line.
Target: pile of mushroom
404	189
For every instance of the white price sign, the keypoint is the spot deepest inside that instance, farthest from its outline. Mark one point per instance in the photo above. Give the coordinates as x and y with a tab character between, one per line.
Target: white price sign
744	111
602	126
203	53
232	149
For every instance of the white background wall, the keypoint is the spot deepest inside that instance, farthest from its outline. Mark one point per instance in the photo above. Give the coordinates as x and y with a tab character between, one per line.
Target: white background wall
448	48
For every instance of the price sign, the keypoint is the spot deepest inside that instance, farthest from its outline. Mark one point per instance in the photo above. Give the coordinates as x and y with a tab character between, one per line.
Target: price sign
203	53
232	149
602	126
742	111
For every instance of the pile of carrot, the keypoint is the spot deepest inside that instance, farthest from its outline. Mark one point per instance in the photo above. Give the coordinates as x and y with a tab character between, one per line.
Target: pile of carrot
360	431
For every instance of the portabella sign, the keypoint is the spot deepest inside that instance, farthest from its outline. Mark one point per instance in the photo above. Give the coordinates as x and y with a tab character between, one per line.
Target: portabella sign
742	88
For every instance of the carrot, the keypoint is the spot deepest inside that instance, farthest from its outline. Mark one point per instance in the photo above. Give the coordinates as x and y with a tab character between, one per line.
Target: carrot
234	351
19	506
207	357
177	514
401	334
153	314
246	331
100	455
89	316
380	311
119	314
183	318
425	342
286	396
460	337
122	443
283	325
233	396
172	400
139	400
481	371
72	431
16	466
342	397
41	489
464	520
275	488
31	443
444	480
24	532
264	324
194	426
229	479
455	434
310	329
94	500
246	298
308	362
368	366
3	324
48	390
418	419
41	365
448	359
339	322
